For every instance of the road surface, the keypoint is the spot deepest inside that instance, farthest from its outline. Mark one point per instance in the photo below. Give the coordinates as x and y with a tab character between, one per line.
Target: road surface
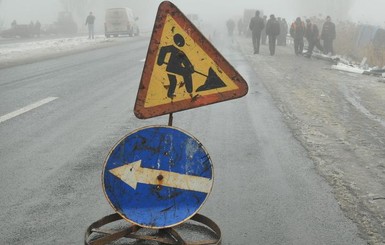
267	189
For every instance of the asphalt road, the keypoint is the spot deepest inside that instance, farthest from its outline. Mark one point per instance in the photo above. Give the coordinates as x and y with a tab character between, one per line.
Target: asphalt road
266	189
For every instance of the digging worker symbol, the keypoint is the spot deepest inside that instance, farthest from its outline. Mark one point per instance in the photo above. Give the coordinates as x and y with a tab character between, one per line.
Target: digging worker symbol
179	64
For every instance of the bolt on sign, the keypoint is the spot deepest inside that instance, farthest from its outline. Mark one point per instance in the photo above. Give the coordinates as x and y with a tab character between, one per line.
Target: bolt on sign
157	177
183	70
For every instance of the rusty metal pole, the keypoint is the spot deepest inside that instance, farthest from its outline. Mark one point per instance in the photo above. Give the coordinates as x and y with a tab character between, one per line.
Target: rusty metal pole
170	118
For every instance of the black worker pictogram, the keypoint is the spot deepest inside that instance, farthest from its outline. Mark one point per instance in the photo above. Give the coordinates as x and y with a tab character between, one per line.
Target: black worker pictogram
179	64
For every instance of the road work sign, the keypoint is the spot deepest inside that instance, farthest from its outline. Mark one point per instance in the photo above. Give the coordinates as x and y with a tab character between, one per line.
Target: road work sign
183	70
157	177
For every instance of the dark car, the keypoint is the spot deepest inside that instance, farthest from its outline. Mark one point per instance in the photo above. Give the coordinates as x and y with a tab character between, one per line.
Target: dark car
23	31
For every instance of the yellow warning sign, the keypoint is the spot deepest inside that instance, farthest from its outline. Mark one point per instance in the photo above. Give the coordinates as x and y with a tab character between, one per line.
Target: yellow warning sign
183	70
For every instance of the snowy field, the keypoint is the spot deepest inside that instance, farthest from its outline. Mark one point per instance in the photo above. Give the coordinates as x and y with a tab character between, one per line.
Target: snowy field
19	52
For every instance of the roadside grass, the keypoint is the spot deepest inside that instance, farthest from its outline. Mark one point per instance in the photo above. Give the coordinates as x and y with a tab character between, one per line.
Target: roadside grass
346	44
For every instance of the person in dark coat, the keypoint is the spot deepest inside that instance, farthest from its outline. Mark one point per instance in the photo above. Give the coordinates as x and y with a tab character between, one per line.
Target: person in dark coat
297	32
14	24
230	26
272	31
90	22
256	26
37	28
263	33
328	34
31	30
240	27
279	37
285	30
312	36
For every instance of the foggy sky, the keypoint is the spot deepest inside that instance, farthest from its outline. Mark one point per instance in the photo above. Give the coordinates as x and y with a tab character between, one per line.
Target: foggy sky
46	11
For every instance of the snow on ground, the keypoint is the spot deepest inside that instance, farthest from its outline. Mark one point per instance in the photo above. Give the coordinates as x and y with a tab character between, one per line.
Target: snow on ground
18	52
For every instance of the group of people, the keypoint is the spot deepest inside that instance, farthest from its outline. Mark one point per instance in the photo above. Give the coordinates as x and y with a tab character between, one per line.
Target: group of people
299	30
276	30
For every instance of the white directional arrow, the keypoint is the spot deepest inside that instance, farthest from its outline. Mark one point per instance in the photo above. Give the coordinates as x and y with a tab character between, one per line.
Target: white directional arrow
133	173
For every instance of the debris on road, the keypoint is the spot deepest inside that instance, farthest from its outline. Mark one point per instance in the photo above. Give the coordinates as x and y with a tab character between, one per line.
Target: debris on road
332	59
376	72
348	68
343	64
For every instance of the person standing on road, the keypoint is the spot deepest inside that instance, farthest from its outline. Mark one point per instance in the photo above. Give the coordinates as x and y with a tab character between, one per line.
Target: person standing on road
240	26
263	34
256	26
37	28
279	37
272	31
328	34
285	30
230	26
31	30
312	36
90	22
14	24
297	32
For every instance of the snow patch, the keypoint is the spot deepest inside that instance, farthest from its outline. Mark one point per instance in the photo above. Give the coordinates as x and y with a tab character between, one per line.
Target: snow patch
19	51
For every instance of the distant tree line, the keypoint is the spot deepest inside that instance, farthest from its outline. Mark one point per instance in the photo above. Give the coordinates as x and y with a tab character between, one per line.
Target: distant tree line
338	10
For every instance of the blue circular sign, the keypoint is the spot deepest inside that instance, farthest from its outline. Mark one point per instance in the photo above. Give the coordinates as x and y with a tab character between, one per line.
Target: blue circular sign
157	177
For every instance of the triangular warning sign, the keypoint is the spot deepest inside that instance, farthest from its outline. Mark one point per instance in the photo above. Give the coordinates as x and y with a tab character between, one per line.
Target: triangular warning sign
183	70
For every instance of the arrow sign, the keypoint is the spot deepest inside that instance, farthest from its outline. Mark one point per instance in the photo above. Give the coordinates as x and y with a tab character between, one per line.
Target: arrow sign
133	173
157	176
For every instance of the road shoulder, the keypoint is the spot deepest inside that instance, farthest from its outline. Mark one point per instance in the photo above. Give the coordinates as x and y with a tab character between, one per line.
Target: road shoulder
337	117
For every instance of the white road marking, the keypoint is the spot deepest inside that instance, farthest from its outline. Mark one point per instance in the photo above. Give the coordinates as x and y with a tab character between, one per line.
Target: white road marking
26	109
143	60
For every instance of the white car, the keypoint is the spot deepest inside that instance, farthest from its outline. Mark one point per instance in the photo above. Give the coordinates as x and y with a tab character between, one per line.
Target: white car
120	21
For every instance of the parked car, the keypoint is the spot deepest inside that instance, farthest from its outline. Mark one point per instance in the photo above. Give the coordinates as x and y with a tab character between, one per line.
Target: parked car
17	31
120	21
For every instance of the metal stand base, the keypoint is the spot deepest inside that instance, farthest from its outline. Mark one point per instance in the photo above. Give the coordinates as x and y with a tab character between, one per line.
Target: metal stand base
103	232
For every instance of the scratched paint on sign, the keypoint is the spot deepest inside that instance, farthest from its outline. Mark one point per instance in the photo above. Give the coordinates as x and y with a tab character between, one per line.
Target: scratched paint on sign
157	177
